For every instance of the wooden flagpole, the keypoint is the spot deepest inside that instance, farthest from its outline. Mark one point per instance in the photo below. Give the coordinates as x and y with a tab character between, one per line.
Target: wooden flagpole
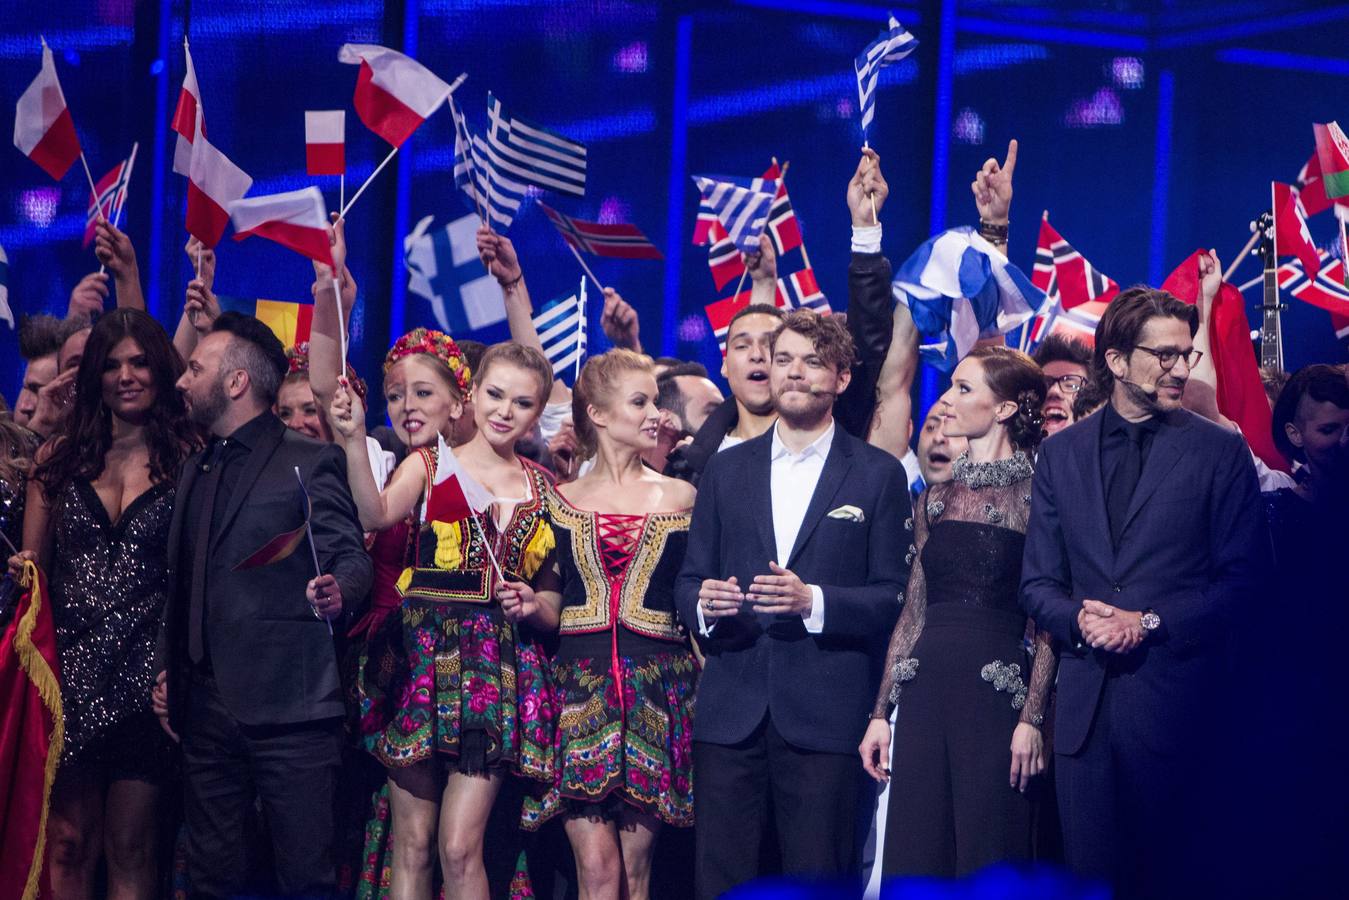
871	196
599	287
346	206
805	257
341	324
1242	253
581	325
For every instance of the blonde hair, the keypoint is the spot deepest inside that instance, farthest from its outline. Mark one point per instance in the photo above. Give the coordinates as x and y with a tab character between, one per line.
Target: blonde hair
595	387
522	357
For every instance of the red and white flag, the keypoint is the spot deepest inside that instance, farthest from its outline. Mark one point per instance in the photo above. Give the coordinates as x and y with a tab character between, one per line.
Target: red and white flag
325	142
1325	288
43	128
1291	237
800	290
1062	272
213	183
783	228
454	494
723	256
185	119
295	219
109	197
618	240
394	93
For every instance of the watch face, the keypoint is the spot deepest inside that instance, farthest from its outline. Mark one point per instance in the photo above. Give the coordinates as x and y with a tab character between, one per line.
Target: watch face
1151	621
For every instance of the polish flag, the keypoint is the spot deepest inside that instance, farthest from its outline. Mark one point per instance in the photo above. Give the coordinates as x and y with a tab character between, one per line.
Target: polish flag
394	93
1291	237
43	128
325	135
295	219
213	183
185	119
454	494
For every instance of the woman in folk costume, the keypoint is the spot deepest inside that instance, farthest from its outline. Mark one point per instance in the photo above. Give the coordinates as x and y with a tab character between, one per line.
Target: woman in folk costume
624	669
455	695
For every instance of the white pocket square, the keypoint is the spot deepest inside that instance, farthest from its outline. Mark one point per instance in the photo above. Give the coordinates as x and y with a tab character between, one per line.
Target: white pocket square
850	513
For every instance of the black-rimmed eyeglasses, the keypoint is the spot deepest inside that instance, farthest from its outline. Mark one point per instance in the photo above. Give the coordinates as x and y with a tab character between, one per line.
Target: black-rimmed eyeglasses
1069	384
1167	358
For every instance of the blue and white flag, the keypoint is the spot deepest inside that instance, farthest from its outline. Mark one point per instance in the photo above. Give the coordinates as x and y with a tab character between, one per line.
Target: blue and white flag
960	289
892	46
446	270
490	192
740	204
561	325
533	154
5	312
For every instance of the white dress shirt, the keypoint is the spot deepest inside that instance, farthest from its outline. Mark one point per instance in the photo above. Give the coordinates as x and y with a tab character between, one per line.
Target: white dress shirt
793	478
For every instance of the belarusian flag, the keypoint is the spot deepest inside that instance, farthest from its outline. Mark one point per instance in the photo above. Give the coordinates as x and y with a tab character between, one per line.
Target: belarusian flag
1332	151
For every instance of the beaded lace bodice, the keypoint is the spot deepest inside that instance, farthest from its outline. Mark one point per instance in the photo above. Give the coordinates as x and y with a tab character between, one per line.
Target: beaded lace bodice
968	534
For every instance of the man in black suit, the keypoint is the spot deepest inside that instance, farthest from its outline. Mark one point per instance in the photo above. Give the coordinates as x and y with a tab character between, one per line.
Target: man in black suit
251	677
792	577
1144	547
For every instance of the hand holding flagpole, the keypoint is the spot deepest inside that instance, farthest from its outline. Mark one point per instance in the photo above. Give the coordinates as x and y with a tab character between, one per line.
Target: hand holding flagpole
313	551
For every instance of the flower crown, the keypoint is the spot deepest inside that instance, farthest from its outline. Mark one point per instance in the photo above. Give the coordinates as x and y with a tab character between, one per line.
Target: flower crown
437	344
297	363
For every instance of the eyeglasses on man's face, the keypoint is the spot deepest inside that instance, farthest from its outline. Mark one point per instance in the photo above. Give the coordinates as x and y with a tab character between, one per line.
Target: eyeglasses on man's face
1069	384
1168	357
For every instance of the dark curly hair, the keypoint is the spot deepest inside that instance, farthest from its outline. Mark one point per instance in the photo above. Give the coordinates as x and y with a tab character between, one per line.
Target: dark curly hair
81	450
1012	375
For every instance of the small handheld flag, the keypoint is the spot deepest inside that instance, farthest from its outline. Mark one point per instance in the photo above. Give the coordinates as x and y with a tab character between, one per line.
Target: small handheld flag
43	129
533	154
325	142
295	219
740	204
561	325
618	240
1332	153
213	184
395	94
111	196
1291	236
893	45
185	119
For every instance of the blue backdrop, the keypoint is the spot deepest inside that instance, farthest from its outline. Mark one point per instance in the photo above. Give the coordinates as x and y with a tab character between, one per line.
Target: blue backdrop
1148	129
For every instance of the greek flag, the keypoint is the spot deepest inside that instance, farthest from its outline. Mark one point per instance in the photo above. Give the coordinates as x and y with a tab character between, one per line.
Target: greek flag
5	312
561	325
494	196
890	47
740	204
960	289
533	154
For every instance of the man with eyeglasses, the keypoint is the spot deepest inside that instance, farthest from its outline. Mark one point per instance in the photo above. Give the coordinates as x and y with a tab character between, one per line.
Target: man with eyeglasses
1066	364
1144	547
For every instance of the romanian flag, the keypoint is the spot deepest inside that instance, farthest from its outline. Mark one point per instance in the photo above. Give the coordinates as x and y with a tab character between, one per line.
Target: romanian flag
290	322
32	731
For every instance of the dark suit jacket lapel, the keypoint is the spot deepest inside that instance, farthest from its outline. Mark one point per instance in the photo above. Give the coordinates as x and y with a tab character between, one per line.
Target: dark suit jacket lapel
257	460
183	490
1166	451
836	467
1093	481
761	490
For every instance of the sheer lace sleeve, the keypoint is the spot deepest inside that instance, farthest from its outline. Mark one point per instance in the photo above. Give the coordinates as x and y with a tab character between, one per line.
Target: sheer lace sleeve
899	666
1044	662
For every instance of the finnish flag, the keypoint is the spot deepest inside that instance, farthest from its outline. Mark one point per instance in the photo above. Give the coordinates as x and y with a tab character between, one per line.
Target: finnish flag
444	268
959	289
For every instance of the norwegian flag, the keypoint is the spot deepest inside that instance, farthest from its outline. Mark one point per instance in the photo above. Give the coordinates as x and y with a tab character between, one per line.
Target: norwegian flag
620	241
110	197
1070	275
1340	322
723	257
801	290
1324	288
702	229
719	315
783	228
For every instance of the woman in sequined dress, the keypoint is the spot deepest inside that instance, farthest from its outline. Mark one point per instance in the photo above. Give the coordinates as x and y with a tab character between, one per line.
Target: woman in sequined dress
624	668
974	673
454	697
99	506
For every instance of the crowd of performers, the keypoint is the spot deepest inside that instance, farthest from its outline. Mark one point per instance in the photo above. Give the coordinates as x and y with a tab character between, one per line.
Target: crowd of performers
1058	620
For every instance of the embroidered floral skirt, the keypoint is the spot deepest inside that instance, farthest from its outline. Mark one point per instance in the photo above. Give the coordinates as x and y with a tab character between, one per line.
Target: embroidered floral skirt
457	679
639	753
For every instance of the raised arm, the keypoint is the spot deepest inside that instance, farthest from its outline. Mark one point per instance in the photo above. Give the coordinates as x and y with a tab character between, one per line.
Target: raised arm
114	250
377	509
325	333
620	323
992	189
499	257
891	426
200	307
1201	391
763	272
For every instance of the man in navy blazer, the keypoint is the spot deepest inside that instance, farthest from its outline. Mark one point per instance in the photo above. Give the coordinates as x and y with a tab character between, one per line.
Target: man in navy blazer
792	578
1145	542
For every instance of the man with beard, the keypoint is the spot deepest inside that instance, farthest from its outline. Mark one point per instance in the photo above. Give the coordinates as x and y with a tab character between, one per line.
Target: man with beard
794	567
1065	364
1143	550
250	680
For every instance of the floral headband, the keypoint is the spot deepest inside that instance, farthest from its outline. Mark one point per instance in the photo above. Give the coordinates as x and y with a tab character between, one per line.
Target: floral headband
297	363
437	344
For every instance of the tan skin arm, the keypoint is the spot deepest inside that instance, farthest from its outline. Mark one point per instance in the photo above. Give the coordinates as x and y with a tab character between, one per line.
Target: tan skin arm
325	332
499	257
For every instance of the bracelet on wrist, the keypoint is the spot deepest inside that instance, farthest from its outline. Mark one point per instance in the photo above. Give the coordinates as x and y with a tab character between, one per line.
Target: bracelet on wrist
993	232
507	285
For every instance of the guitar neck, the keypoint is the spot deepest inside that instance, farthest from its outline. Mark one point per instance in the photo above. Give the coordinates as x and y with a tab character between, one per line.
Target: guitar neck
1271	332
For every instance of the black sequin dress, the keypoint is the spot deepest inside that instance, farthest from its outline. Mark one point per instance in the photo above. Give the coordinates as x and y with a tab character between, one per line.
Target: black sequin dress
108	585
965	667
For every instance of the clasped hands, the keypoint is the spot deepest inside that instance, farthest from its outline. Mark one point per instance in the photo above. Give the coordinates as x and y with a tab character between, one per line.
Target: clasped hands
1105	627
781	592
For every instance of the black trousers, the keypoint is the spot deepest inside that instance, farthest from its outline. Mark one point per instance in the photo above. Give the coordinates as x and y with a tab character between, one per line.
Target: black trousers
812	797
292	769
1143	821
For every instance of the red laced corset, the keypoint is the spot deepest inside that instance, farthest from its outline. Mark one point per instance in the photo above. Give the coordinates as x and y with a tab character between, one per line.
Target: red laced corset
618	535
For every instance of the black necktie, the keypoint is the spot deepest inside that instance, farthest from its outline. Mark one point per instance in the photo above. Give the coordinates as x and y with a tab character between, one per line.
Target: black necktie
1125	480
205	488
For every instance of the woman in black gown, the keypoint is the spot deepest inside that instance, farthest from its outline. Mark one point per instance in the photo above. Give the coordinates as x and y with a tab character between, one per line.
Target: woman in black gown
974	673
99	506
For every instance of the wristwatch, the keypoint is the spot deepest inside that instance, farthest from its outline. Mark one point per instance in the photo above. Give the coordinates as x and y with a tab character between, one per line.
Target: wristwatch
1150	621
